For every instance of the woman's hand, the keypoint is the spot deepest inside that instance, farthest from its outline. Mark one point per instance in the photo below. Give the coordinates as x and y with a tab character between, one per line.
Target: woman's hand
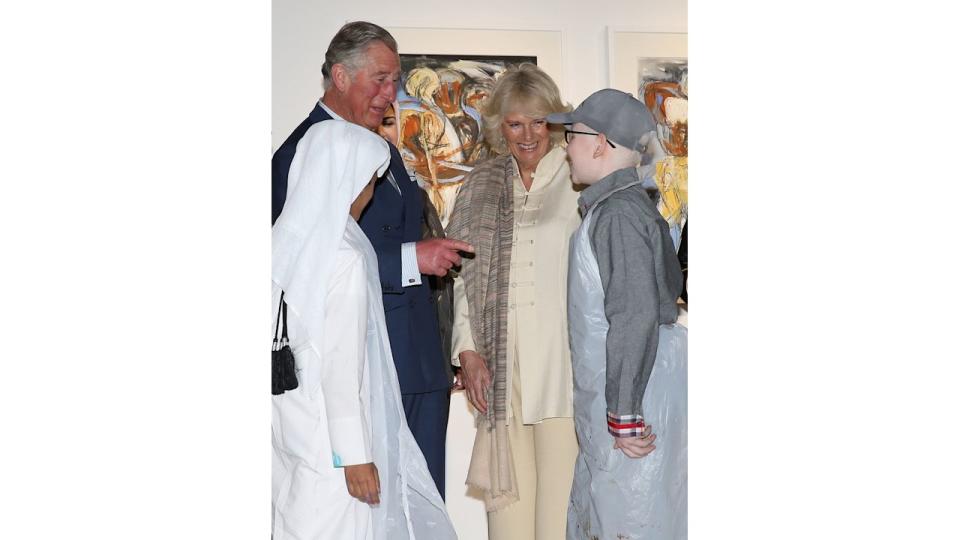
457	380
476	379
363	482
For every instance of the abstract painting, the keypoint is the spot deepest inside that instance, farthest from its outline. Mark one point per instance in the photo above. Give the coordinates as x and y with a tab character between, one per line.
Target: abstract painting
663	88
441	135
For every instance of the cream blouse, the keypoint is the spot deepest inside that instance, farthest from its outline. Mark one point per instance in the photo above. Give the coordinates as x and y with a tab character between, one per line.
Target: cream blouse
544	219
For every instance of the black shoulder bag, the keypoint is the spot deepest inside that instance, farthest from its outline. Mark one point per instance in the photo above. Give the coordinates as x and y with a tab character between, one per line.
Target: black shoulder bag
283	366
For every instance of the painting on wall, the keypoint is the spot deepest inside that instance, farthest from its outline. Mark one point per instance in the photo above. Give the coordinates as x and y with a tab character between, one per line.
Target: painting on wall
662	86
440	126
653	67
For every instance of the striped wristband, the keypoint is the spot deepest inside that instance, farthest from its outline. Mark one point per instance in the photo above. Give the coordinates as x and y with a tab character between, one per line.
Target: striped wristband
628	425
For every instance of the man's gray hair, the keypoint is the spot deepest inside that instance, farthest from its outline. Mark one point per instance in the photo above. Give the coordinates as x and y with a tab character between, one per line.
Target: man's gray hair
350	44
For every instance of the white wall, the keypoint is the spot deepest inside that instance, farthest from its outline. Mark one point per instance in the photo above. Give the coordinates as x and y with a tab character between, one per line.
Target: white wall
303	29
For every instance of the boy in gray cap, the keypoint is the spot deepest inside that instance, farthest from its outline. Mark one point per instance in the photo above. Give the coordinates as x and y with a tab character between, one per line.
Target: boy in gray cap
629	357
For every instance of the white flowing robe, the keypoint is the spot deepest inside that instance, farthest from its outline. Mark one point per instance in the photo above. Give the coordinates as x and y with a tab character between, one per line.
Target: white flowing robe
347	406
356	414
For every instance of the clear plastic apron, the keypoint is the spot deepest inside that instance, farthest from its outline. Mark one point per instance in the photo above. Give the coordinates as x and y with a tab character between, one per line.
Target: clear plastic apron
614	496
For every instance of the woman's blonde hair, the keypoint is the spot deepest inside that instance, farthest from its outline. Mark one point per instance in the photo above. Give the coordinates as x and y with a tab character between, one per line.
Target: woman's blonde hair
524	89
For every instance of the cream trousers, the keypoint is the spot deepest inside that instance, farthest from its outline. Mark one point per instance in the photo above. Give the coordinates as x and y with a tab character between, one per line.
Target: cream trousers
543	456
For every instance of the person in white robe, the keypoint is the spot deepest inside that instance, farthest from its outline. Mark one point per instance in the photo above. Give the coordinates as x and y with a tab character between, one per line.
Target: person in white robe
345	464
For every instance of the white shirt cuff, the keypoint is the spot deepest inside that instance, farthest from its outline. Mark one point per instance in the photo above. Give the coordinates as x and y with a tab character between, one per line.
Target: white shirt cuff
349	441
409	270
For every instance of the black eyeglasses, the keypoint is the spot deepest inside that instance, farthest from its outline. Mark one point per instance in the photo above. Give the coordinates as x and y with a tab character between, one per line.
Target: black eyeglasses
567	132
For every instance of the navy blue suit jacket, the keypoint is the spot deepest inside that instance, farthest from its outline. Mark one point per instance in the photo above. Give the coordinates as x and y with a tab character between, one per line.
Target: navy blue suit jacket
389	220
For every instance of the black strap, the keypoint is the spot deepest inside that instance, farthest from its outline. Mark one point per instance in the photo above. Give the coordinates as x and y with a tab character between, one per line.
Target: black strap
283	338
280	309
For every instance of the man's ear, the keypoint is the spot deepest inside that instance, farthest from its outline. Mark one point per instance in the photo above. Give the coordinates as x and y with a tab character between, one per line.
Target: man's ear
341	77
601	147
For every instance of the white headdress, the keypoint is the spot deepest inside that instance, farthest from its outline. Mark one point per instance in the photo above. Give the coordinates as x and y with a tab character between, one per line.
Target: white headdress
333	163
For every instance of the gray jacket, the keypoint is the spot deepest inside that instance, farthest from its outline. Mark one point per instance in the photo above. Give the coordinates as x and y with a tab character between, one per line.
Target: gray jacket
641	280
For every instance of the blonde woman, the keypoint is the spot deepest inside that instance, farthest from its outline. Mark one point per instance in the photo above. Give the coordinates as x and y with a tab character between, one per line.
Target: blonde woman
518	210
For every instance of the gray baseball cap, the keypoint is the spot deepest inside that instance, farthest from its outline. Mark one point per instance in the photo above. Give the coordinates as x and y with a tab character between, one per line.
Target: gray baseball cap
618	115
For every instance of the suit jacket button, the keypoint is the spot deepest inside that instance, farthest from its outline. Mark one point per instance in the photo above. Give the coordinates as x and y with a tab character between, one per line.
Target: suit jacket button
386	227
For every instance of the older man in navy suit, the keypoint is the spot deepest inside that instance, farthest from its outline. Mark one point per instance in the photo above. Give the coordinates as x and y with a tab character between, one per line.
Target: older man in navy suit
360	78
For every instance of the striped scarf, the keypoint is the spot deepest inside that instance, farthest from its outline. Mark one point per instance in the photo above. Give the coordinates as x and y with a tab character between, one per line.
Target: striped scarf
483	216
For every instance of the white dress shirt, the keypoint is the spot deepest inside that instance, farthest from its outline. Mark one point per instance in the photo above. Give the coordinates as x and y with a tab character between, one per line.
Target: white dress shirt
544	219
